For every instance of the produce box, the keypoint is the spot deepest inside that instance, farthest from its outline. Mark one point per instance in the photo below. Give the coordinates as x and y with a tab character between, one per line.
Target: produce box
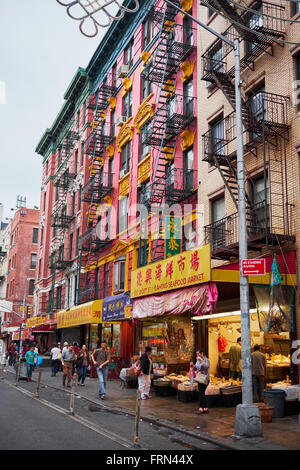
165	391
231	399
214	401
186	396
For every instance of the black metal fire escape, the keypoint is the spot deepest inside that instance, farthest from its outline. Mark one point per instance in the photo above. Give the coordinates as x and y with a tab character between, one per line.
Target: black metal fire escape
265	122
97	187
169	120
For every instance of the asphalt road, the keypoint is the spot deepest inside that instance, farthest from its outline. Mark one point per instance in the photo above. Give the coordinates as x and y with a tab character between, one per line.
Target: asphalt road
30	423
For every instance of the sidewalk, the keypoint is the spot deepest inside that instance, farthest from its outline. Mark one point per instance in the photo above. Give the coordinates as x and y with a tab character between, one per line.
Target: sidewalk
216	426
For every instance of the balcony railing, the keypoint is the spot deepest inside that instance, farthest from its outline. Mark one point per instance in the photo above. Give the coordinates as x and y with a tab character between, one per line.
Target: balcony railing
60	219
179	184
262	229
265	115
90	240
64	179
97	187
59	260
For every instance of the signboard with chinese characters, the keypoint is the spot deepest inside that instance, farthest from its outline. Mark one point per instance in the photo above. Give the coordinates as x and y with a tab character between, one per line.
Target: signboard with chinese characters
173	236
114	308
182	270
90	312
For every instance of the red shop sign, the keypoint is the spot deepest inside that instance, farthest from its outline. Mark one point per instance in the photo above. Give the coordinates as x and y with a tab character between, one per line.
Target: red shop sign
253	267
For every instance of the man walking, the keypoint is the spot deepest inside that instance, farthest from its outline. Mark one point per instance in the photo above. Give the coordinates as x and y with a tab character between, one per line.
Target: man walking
67	358
259	368
144	378
235	354
54	360
31	359
101	358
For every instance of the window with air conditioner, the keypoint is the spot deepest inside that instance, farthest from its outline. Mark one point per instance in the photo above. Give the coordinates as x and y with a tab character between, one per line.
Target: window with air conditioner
119	274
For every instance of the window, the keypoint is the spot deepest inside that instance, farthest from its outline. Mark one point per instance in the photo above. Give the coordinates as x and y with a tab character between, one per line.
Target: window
146	88
33	261
123	214
188	97
106	280
78	120
35	235
188	31
31	287
189	236
295	8
218	223
128	55
217	142
297	70
71	245
82	153
127	104
145	149
110	172
76	161
59	156
114	75
147	32
45	195
119	274
216	59
144	193
257	105
188	163
112	123
260	203
77	240
125	159
58	297
255	22
210	12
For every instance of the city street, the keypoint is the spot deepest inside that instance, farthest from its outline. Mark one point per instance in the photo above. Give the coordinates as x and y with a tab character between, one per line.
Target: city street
45	423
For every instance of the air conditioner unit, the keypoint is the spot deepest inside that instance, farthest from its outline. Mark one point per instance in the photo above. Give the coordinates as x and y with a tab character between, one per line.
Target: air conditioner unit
122	173
121	120
123	71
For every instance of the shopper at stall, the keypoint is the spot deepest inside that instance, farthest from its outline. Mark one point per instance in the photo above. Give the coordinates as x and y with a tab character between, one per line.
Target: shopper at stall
101	358
144	378
202	377
82	363
67	358
54	360
31	359
235	354
259	368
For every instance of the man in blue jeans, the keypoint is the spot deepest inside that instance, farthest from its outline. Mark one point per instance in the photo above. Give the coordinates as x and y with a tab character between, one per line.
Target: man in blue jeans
31	359
101	358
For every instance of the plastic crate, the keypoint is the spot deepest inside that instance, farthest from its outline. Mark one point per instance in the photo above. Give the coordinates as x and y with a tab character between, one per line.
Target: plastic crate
186	396
164	391
291	407
231	399
214	401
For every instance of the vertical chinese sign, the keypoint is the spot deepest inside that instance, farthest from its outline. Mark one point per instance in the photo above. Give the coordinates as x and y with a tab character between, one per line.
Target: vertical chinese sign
173	236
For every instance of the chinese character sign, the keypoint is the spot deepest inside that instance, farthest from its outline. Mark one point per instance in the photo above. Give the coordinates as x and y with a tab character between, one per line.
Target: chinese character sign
185	269
173	236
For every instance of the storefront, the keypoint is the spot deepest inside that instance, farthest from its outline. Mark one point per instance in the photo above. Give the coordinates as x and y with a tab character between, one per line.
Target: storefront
43	329
81	324
165	318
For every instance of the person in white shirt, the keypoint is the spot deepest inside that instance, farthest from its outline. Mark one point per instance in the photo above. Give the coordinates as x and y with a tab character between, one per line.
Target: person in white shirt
55	351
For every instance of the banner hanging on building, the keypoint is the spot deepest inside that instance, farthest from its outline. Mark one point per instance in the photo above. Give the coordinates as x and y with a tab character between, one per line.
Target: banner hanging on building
173	236
114	308
185	269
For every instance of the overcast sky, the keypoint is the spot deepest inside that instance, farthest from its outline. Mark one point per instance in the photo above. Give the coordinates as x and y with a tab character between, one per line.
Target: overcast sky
40	51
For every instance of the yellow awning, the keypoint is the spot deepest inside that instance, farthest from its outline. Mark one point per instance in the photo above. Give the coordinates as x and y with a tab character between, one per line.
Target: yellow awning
90	312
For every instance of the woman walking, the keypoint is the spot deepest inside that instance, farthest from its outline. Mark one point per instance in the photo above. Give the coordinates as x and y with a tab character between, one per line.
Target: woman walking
82	363
202	368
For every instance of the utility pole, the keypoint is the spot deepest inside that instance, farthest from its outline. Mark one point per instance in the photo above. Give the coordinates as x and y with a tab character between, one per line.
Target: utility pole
248	421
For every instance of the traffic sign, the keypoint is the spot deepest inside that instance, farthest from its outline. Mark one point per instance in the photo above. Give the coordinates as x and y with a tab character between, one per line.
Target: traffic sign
253	267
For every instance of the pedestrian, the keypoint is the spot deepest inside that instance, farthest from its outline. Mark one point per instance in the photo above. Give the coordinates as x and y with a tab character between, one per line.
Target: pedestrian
144	377
259	368
67	358
235	353
101	358
82	363
202	377
31	359
76	348
59	367
55	351
12	355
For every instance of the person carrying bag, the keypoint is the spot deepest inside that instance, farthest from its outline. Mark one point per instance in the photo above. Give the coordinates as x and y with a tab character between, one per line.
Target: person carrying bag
202	377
